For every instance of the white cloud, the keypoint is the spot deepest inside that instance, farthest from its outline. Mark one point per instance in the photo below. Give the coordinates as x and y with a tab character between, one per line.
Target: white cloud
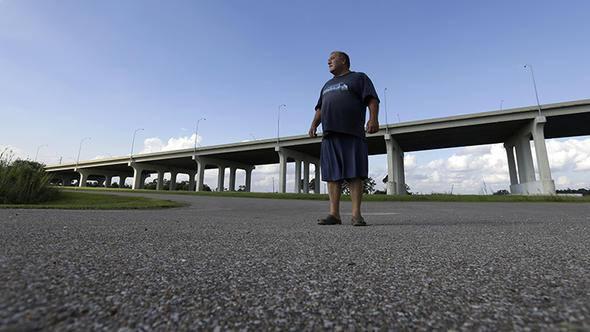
155	144
562	181
466	169
409	161
569	154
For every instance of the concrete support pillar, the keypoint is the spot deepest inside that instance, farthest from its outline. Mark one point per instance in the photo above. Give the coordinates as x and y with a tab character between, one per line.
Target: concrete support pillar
83	179
546	182
137	177
541	149
200	174
66	181
317	182
297	176
248	183
232	178
143	178
400	174
282	172
191	182
220	178
524	158
511	164
306	177
160	181
122	181
173	176
396	182
108	179
201	165
527	183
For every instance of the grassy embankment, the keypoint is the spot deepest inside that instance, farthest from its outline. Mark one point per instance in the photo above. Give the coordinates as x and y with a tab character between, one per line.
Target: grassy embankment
375	198
96	201
25	184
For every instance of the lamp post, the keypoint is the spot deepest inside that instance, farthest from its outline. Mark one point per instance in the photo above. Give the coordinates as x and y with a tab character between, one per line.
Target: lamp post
279	121
535	86
133	142
39	148
502	105
197	131
80	149
385	106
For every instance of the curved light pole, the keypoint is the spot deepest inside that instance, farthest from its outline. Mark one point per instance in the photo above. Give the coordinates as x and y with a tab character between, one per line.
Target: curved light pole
80	149
133	142
534	85
279	121
39	148
197	131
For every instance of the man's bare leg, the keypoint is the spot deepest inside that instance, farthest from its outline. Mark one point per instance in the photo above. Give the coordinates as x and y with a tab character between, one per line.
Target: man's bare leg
334	191
356	195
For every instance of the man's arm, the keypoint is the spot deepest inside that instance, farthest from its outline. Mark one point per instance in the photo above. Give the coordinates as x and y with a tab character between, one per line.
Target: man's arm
373	123
317	119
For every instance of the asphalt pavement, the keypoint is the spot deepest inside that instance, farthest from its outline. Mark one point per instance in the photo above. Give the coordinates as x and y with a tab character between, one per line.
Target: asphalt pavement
259	264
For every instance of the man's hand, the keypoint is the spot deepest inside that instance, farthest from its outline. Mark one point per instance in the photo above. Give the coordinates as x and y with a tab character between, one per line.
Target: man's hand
372	126
373	123
313	131
317	119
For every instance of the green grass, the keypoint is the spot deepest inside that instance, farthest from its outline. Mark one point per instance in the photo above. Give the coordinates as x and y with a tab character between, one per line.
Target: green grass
374	198
97	201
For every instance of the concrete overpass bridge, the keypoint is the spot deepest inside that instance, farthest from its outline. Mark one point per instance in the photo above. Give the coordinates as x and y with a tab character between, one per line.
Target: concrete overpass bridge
513	127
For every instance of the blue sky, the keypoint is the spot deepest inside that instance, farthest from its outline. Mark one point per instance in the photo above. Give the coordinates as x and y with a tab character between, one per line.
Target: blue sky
71	69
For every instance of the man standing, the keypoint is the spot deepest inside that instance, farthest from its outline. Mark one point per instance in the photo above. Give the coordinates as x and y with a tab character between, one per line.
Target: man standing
341	109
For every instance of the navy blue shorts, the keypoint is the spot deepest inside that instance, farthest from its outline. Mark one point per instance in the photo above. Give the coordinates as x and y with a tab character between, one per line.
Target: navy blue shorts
344	157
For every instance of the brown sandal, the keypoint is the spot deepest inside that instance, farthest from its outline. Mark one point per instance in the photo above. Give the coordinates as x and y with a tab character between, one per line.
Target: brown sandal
329	220
358	221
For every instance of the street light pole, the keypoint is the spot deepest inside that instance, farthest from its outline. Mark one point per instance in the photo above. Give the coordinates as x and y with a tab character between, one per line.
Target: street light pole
385	104
38	148
197	131
133	143
535	86
80	149
279	122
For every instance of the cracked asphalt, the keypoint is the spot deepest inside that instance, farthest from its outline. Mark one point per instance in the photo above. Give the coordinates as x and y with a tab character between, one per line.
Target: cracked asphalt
259	264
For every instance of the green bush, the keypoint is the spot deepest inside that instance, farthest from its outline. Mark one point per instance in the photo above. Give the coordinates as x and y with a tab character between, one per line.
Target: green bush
24	182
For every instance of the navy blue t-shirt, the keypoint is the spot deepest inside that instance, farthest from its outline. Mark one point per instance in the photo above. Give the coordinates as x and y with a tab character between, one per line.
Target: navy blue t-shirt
343	103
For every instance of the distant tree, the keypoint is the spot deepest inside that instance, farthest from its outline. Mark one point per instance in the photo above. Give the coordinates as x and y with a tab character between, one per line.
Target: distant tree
502	192
368	186
151	185
242	188
206	187
408	189
183	185
583	191
312	185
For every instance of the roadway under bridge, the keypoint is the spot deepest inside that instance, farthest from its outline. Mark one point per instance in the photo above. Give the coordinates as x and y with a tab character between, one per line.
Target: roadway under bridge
516	128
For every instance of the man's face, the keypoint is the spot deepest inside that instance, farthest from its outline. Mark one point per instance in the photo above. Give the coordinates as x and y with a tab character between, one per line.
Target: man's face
336	63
